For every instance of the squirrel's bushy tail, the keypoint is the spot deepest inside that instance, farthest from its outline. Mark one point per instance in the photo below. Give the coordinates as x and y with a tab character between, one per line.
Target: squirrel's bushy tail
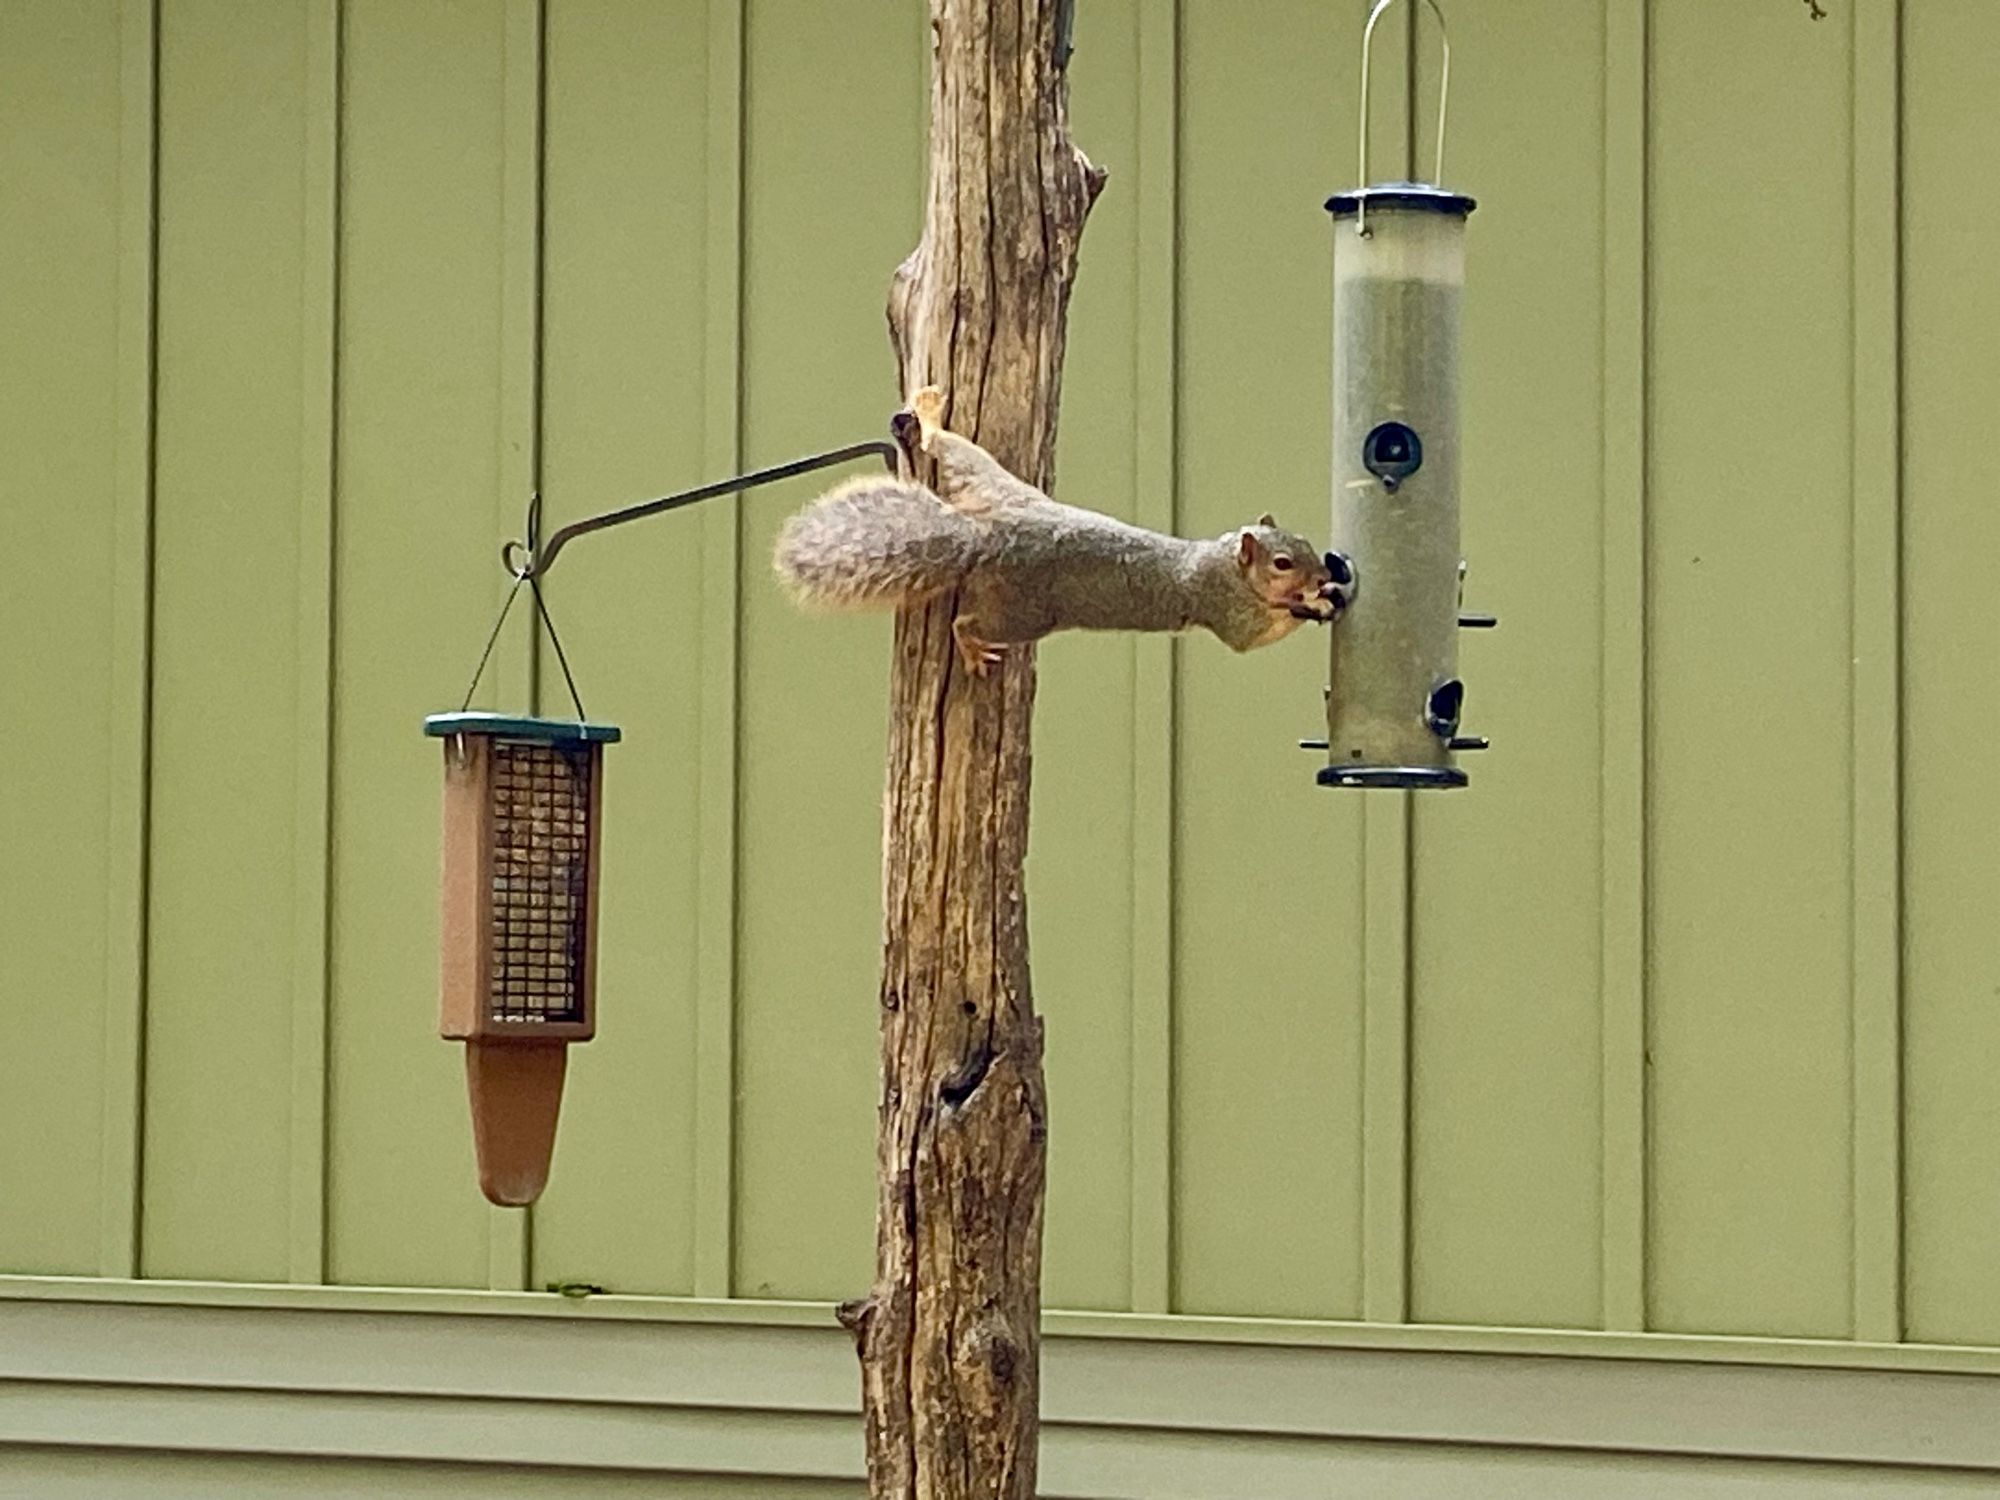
875	543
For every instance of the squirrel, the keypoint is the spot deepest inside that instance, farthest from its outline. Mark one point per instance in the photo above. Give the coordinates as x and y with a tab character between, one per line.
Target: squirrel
1025	565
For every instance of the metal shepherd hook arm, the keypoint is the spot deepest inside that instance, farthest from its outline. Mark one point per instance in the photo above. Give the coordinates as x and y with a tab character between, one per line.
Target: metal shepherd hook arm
529	559
535	559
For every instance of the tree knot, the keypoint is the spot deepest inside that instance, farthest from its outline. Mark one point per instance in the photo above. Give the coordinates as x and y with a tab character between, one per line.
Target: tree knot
964	1080
855	1316
989	1350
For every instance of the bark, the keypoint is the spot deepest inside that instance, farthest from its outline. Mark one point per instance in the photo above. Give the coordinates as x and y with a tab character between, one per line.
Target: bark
950	1336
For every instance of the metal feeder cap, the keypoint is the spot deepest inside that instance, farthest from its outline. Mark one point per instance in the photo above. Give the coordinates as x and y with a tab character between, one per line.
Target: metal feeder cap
1421	196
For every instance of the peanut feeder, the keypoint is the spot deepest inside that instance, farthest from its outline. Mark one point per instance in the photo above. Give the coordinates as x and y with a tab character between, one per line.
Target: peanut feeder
523	798
518	971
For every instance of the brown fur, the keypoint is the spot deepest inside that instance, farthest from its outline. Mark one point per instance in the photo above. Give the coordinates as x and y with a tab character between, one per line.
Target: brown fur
1026	566
875	543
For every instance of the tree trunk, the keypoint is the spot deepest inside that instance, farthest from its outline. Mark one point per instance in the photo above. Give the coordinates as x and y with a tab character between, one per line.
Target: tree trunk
950	1337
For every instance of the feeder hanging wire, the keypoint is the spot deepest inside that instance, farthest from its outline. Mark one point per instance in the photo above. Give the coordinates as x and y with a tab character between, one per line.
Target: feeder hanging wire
525	572
1444	99
526	561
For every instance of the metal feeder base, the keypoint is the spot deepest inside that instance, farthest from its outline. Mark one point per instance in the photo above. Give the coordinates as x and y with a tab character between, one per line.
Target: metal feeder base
1407	777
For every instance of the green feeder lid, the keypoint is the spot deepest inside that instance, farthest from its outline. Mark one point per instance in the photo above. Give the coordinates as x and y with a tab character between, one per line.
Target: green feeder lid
520	727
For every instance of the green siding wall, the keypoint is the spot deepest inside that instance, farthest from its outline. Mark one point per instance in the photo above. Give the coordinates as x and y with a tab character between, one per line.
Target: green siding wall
1753	626
77	230
832	201
634	401
1266	991
1681	1019
1508	1134
1952	994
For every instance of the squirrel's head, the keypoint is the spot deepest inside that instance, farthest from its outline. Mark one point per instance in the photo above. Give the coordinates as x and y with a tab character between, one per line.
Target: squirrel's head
1282	568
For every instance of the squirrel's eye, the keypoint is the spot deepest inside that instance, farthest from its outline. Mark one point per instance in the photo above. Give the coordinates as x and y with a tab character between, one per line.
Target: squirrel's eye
1282	563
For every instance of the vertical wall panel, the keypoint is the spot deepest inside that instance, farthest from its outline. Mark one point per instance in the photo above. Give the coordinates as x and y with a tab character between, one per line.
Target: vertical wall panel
1951	538
1504	1098
1267	916
131	645
76	614
518	438
1080	845
1875	974
1385	835
1155	472
1748	575
420	454
624	408
1621	601
836	204
721	601
312	790
232	258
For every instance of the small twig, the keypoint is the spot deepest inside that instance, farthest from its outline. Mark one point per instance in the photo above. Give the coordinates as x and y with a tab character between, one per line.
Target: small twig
1817	13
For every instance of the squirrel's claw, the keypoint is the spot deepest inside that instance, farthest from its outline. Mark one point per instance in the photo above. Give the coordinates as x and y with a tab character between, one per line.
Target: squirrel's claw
979	656
980	663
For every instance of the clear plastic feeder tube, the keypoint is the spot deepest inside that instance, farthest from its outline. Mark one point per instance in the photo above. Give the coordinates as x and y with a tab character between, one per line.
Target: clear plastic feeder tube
1398	275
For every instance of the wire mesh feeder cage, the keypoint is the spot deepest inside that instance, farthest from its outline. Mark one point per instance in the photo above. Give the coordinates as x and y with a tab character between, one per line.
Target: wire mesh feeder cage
518	954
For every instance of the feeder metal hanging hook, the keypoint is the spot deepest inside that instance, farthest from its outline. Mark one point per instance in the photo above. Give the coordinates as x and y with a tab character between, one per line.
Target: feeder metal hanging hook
1444	97
520	558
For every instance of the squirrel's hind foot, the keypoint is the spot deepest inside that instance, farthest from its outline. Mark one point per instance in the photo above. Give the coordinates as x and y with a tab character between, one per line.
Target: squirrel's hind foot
979	656
919	422
927	406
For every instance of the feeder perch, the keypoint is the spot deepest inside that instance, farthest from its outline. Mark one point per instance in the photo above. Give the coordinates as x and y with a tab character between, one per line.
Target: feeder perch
1394	699
519	931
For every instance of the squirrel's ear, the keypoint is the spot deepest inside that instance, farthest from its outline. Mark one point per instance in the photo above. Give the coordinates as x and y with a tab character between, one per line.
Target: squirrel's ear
1246	548
1267	519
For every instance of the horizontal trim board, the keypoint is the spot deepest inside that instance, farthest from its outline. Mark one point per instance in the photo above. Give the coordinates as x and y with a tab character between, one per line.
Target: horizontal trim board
1075	1466
436	1429
72	1473
1441	1338
739	1397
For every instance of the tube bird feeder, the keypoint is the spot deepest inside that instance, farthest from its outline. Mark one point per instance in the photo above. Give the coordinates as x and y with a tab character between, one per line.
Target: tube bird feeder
1394	697
518	972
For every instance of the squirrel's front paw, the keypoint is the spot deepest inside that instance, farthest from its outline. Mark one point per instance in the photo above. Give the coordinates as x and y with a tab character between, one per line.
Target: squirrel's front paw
1331	599
1341	586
